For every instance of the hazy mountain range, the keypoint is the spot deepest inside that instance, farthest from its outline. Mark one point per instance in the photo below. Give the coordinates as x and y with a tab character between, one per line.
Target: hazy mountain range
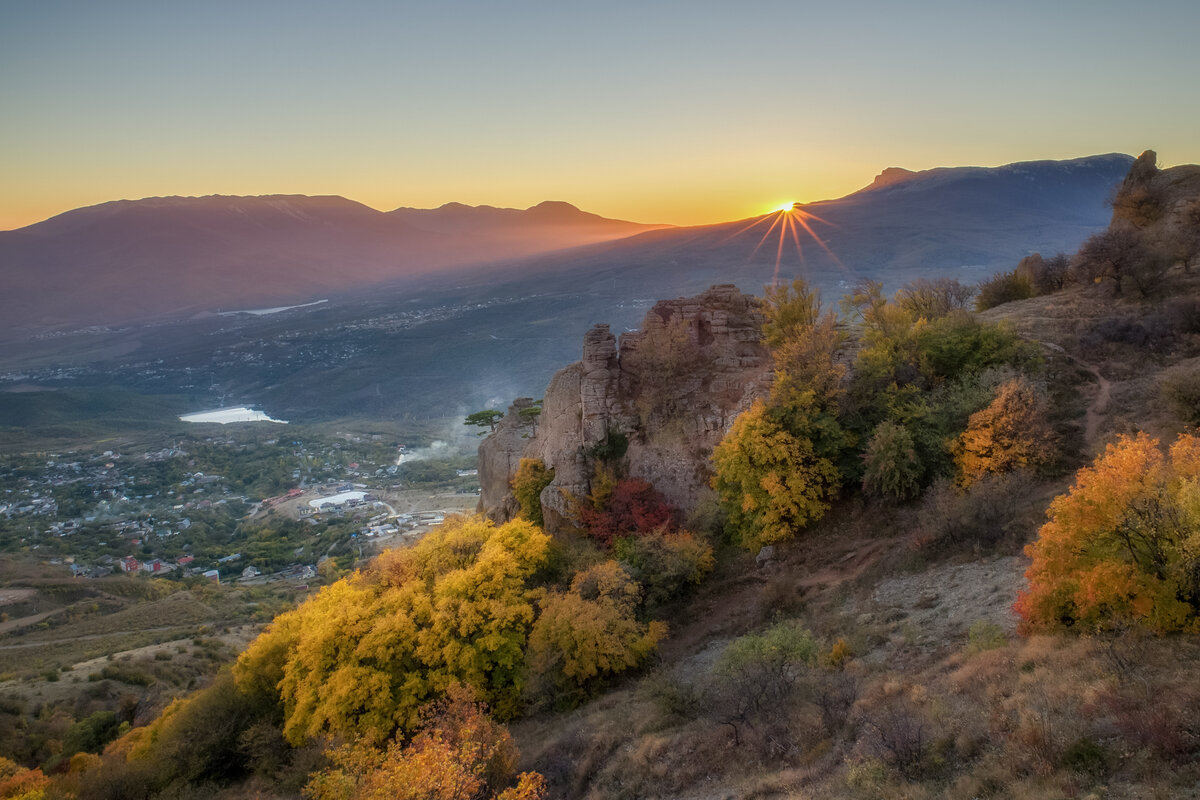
421	340
166	256
175	256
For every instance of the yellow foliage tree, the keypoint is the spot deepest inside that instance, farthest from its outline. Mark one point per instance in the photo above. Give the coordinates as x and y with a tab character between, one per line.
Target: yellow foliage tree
771	480
591	633
18	783
1123	546
527	485
367	652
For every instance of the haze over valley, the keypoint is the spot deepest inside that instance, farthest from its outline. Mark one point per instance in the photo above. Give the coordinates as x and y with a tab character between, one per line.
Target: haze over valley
398	332
569	401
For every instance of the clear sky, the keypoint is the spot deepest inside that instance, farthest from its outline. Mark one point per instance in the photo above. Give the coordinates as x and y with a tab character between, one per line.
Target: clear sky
654	111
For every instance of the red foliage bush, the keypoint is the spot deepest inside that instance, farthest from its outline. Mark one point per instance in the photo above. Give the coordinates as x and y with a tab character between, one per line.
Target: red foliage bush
633	507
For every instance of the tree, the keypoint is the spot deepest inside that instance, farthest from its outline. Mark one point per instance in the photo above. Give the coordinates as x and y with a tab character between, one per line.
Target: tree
527	485
485	419
1120	255
1011	433
458	753
665	564
803	341
930	298
364	654
590	634
1123	546
770	477
892	466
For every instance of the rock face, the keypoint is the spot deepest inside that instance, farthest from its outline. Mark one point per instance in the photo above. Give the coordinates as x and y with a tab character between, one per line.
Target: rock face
672	389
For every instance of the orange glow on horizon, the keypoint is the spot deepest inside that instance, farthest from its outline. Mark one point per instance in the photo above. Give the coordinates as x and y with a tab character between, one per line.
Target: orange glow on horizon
789	219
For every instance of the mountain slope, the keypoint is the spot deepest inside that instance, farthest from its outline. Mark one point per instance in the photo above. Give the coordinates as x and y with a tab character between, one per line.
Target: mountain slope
962	221
131	260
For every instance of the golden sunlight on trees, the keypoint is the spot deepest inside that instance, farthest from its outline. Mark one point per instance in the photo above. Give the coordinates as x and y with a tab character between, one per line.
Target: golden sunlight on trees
1123	546
367	652
458	753
590	633
1011	433
803	343
775	470
527	485
770	480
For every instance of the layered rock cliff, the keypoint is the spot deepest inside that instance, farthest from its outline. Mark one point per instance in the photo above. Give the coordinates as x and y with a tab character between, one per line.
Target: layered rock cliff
672	389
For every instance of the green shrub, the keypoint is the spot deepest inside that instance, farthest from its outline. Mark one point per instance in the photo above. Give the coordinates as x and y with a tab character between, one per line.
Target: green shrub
893	469
985	635
527	485
665	564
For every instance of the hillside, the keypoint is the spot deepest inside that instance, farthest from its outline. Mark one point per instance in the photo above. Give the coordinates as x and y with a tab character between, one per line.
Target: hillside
835	619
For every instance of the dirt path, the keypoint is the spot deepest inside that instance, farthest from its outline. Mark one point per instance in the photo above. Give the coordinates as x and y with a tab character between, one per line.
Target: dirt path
1098	410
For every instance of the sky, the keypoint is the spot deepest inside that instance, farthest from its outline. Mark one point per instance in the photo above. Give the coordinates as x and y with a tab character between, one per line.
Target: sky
669	112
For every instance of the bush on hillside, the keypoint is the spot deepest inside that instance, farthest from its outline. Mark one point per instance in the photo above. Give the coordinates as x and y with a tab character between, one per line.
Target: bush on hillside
665	564
1180	386
1003	287
586	636
1121	548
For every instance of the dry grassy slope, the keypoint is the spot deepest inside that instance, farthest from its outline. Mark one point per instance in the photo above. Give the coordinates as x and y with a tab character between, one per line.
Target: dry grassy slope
1006	719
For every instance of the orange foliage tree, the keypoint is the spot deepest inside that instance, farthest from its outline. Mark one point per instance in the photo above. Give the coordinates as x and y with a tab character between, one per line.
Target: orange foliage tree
459	753
1123	546
1011	433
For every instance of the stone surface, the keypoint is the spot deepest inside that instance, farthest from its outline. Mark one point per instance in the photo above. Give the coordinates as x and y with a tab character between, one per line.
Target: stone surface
672	388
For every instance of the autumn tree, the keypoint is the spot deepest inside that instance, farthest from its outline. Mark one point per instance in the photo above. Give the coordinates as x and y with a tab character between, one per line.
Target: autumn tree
1123	546
771	479
363	655
527	484
1011	433
589	634
804	340
458	753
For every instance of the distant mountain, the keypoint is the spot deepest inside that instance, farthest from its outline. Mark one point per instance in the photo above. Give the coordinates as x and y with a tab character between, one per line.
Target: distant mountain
966	222
165	256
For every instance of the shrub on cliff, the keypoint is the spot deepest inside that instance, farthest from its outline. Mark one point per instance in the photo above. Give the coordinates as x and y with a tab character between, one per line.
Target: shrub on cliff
629	507
527	485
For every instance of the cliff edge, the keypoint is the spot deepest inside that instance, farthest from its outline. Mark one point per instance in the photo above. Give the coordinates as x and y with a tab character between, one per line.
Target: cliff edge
670	390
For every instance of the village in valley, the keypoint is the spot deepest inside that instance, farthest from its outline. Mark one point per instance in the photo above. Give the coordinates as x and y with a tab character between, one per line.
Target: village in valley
232	507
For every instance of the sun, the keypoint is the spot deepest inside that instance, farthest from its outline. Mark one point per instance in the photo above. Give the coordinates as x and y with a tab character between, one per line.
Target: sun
788	206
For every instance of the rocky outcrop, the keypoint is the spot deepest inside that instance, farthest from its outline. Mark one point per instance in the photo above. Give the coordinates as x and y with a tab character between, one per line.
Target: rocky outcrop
672	389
